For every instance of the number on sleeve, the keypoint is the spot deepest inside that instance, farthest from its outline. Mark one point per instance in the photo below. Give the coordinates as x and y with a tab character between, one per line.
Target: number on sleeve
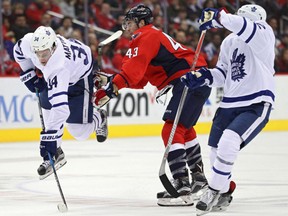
174	43
80	51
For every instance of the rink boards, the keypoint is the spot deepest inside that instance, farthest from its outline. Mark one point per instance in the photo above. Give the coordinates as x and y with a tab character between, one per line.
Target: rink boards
134	113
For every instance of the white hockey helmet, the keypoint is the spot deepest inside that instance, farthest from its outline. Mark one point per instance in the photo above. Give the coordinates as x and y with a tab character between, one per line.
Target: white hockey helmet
252	12
43	38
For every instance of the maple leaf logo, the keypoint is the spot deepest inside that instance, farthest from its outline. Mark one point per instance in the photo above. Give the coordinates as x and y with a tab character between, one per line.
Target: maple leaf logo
237	66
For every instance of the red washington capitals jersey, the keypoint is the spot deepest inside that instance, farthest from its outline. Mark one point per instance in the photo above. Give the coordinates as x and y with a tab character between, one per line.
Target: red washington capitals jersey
155	57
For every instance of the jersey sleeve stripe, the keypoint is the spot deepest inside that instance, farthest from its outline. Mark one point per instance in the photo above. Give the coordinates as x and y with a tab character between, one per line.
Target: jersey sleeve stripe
253	33
220	172
221	71
20	58
249	97
57	94
60	104
243	28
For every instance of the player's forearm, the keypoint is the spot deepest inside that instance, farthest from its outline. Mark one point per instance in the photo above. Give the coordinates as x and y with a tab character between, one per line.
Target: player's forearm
231	22
119	81
219	77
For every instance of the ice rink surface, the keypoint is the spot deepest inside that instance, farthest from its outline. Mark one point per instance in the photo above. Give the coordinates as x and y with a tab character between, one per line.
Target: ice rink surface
120	177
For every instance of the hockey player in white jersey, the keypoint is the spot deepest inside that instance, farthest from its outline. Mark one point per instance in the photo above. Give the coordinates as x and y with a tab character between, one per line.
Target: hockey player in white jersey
245	70
66	90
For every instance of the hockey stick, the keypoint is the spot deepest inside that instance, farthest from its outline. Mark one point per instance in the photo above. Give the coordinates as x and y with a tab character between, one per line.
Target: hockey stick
162	174
62	207
108	40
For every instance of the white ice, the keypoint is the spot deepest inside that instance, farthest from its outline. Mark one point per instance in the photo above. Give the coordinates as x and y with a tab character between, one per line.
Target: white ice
120	177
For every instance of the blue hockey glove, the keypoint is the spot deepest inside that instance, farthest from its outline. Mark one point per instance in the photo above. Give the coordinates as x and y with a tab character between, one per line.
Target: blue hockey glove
104	94
209	19
48	142
32	81
199	78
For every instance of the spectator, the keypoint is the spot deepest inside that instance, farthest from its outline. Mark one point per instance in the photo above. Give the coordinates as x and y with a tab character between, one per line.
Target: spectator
37	8
20	27
284	9
47	20
66	27
273	22
7	9
225	4
67	8
118	24
36	15
121	48
193	10
34	12
173	9
181	37
209	4
212	50
96	7
93	43
157	11
10	67
158	22
18	8
106	60
282	62
8	34
77	34
104	18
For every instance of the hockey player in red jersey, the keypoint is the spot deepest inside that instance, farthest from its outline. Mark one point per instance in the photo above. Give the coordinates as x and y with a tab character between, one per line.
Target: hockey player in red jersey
155	57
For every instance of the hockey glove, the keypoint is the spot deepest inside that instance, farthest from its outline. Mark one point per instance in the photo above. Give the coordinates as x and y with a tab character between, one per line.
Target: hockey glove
199	78
101	79
209	19
32	81
48	142
104	94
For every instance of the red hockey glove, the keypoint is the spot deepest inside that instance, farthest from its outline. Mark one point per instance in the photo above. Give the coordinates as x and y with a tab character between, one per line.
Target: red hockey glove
104	94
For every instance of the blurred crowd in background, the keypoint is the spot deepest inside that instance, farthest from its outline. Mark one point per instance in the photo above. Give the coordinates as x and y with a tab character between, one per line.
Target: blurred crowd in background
178	18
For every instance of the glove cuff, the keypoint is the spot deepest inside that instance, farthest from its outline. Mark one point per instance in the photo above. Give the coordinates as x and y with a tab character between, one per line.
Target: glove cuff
27	75
49	136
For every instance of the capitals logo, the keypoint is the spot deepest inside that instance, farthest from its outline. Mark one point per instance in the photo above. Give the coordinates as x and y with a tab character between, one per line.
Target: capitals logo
237	64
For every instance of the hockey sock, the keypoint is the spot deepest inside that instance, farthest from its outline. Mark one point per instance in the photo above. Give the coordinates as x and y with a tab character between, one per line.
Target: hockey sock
177	161
193	151
228	149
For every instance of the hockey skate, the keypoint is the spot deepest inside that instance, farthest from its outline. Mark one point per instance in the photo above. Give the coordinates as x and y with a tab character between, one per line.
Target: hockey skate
102	131
207	201
45	169
183	188
199	184
225	199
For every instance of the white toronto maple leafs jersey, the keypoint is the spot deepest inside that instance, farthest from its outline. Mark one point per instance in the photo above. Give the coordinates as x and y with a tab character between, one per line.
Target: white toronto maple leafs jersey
70	62
245	67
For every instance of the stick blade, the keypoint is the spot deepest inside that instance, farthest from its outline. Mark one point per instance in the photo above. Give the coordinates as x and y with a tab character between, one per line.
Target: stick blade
113	37
168	186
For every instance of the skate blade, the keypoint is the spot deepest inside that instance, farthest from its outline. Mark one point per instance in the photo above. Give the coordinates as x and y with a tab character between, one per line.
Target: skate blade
200	212
183	201
57	167
219	208
223	206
